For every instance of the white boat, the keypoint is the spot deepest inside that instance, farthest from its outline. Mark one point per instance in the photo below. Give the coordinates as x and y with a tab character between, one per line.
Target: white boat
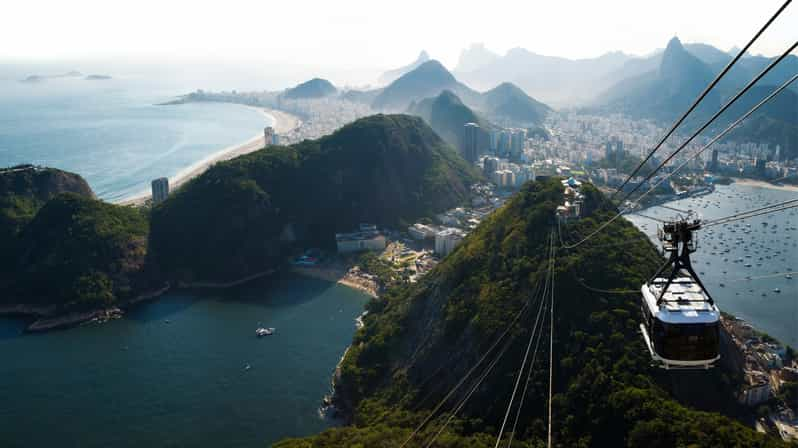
264	331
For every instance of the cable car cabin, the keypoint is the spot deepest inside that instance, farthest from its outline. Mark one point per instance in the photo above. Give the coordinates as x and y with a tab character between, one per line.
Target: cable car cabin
682	332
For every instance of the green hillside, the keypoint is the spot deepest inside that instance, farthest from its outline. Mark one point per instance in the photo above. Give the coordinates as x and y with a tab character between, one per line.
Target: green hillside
77	252
447	115
507	102
238	217
419	341
23	191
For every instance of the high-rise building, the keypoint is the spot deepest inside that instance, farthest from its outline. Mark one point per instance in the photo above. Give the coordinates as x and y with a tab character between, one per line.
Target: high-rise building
471	142
446	240
270	137
160	190
494	141
517	140
489	166
713	166
504	144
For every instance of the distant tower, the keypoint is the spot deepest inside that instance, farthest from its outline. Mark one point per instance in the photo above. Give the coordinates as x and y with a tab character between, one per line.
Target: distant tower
517	139
269	135
471	142
713	166
160	190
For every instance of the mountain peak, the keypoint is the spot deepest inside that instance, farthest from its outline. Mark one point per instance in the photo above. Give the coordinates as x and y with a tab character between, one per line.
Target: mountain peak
674	44
423	56
432	68
677	62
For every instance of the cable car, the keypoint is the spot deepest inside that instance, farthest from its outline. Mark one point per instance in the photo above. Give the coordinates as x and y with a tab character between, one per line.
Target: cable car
681	323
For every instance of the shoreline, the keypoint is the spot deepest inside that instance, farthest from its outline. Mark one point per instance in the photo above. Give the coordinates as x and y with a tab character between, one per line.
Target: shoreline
282	122
339	276
763	184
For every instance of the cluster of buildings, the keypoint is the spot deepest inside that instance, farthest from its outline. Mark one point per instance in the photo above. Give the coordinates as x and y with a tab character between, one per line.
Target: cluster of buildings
757	160
504	143
366	238
452	226
764	371
506	174
572	207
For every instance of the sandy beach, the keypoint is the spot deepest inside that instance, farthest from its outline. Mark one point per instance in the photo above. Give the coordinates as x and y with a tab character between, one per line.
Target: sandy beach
763	184
283	123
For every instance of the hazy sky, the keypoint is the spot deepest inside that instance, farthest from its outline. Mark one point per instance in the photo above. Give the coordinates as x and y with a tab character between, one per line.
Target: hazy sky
375	34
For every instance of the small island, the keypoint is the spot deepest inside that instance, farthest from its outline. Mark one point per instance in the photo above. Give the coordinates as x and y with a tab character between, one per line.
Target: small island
97	77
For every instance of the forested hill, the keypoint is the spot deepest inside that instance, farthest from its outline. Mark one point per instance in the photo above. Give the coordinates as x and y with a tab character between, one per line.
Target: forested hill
60	246
237	218
418	343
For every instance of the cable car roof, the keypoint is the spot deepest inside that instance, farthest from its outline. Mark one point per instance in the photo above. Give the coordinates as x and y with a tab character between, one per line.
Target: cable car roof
683	303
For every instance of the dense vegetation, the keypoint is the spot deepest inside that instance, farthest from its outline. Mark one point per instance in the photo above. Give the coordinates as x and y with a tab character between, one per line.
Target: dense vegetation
238	217
23	190
77	252
419	340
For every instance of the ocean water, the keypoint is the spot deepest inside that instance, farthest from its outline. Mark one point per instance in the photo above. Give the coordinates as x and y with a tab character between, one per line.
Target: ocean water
112	132
143	381
769	243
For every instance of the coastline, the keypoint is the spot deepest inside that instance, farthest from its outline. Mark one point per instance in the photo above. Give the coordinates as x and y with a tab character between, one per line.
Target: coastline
282	122
339	275
763	184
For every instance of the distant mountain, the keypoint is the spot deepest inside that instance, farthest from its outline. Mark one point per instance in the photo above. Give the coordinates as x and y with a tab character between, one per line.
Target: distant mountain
392	75
554	80
447	116
241	216
674	78
708	54
664	93
776	123
506	102
475	57
427	80
315	88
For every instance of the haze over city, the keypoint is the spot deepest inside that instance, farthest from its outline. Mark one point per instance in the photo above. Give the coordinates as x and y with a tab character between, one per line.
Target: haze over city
355	39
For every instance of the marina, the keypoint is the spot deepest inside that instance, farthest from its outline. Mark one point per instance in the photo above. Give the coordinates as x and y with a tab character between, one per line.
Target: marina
747	265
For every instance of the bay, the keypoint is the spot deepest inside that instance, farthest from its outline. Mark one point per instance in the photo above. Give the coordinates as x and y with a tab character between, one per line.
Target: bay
174	372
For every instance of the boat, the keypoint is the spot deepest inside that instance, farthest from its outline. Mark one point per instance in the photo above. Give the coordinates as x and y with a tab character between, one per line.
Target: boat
788	276
264	331
776	290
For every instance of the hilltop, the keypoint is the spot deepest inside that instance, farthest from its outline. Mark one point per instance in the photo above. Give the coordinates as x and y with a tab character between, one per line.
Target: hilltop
241	216
447	115
506	102
419	341
682	72
391	75
23	191
61	246
314	88
666	92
